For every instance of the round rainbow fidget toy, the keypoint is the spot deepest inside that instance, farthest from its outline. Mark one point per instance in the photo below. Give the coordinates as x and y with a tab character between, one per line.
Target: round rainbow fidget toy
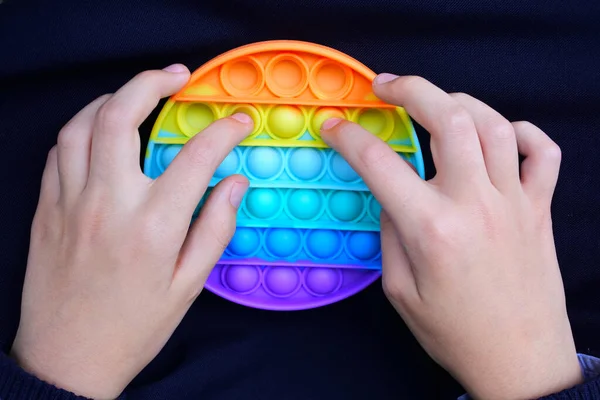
308	229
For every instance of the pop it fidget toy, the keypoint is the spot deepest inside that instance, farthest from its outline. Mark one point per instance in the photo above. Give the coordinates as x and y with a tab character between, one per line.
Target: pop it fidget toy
308	229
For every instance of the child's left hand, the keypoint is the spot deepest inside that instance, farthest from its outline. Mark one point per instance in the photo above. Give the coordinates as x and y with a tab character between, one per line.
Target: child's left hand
111	272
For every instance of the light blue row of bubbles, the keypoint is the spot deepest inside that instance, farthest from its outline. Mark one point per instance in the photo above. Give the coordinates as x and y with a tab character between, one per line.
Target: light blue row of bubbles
275	167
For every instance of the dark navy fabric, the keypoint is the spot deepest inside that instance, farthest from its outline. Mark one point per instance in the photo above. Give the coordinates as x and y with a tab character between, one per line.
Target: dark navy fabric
536	60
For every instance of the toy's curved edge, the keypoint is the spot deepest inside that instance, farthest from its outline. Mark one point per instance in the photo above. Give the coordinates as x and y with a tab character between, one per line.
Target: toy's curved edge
283	45
418	154
320	302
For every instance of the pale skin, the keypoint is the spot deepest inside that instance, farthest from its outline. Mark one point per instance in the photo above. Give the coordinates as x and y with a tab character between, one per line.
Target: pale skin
468	256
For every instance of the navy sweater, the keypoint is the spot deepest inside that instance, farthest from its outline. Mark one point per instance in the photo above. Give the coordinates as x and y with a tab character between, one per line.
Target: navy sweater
536	60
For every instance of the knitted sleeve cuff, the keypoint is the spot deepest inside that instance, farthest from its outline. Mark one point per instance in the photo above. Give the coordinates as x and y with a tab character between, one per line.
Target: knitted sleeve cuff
16	384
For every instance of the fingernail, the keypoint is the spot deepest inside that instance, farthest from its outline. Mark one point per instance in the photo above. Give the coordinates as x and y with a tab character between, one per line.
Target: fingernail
237	193
241	117
175	68
384	78
330	123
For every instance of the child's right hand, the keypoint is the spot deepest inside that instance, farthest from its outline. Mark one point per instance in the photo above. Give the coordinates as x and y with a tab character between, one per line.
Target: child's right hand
468	257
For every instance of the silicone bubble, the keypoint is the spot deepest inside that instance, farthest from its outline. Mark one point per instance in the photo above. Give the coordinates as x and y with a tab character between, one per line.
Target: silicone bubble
287	75
374	208
363	245
245	242
283	242
307	230
330	80
242	76
254	112
346	206
304	204
282	281
264	162
264	203
168	154
322	281
306	164
341	170
378	122
194	117
241	278
286	122
320	115
324	243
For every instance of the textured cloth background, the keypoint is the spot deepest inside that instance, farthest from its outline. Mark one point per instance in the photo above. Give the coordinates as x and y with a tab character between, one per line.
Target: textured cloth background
535	60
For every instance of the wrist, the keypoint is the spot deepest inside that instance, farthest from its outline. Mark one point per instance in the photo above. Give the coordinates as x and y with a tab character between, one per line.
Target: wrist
83	379
527	378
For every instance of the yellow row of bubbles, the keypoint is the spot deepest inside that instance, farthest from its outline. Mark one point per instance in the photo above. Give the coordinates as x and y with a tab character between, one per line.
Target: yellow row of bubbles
287	123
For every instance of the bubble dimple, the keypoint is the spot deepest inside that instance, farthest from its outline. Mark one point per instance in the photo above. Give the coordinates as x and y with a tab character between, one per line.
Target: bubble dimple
242	77
283	242
253	112
286	122
322	281
323	243
374	208
378	122
245	241
263	203
322	114
287	75
229	166
346	206
305	163
305	204
168	154
342	170
330	80
264	162
194	117
363	245
241	278
282	281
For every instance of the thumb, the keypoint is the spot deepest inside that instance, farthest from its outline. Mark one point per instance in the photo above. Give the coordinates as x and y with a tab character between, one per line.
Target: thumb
210	233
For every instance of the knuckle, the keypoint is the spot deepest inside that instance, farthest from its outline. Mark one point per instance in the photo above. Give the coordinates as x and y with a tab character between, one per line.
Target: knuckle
441	231
104	98
459	96
68	137
409	81
523	125
456	120
552	152
53	153
500	130
392	289
406	84
146	77
45	226
110	115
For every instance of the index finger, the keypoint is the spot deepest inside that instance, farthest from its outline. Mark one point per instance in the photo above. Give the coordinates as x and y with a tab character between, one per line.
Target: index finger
401	192
454	140
185	180
115	140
